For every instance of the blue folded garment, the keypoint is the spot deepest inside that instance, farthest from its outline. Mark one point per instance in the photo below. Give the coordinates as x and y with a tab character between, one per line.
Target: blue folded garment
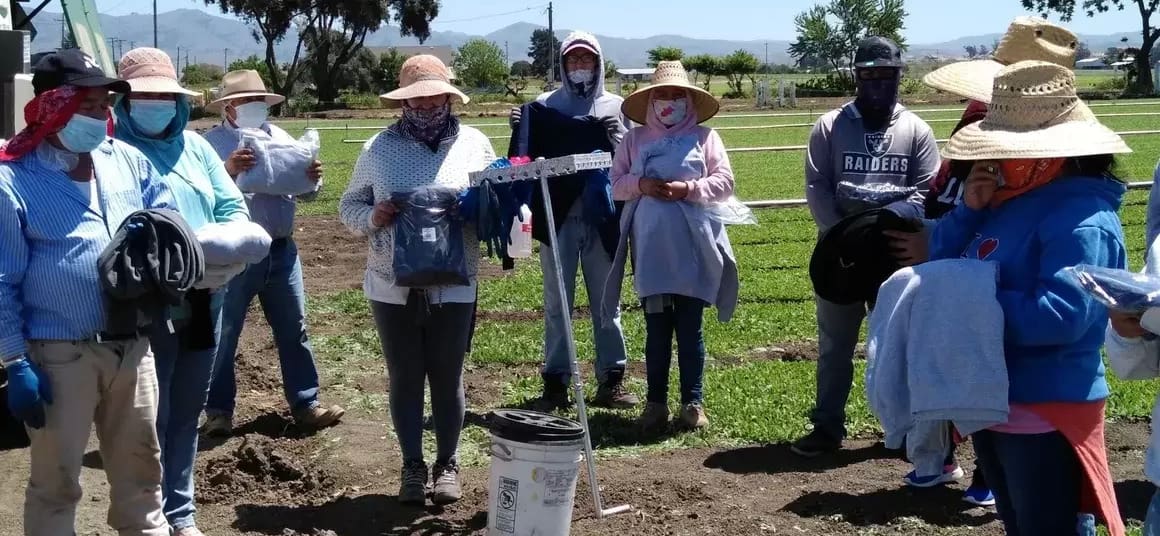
1119	290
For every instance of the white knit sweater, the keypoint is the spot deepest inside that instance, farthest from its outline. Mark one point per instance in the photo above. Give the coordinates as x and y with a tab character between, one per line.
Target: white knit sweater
391	163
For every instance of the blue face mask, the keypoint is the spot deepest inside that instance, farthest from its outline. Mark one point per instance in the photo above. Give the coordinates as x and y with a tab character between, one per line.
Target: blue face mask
152	117
82	134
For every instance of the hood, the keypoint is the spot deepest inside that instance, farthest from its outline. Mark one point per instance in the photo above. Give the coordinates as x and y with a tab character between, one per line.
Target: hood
573	92
851	110
1104	188
976	111
162	152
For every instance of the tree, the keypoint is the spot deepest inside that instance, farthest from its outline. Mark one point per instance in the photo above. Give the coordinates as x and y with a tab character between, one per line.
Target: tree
523	69
202	74
610	68
703	65
736	67
984	51
972	51
833	31
544	45
1149	34
663	53
253	63
1082	52
304	20
479	63
387	75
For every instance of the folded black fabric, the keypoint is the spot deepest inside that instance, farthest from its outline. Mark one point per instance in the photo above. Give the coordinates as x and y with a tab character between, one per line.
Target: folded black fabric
429	239
853	258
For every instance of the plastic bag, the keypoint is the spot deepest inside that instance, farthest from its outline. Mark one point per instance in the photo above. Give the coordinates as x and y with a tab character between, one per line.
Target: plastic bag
429	249
731	212
857	198
279	166
1119	290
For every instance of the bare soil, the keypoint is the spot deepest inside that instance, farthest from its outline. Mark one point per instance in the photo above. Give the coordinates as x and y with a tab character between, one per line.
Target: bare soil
275	479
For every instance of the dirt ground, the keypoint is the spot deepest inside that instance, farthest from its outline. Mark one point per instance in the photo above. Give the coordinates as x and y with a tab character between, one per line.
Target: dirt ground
271	479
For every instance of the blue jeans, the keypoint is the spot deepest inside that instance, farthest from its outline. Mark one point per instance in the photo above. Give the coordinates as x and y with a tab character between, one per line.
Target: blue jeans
579	244
839	327
183	377
1152	521
1037	480
277	282
684	317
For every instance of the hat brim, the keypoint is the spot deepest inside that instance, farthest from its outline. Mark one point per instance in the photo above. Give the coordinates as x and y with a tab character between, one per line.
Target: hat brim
879	63
978	141
422	88
115	85
580	45
704	103
272	99
968	79
158	84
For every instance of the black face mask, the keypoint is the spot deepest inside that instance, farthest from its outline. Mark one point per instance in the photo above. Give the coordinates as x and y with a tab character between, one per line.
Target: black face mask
876	98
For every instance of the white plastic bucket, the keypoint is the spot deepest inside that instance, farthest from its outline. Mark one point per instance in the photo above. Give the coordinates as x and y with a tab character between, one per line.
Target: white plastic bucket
532	486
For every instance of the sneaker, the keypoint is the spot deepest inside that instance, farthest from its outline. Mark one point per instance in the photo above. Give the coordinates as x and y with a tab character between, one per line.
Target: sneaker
218	425
612	394
654	418
413	488
815	444
555	394
951	473
188	531
445	479
693	416
317	417
979	496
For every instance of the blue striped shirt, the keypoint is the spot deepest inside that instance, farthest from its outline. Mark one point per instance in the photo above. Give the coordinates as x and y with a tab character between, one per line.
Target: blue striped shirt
50	240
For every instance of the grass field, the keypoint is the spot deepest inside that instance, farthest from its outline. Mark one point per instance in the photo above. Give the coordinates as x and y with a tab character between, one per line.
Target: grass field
751	398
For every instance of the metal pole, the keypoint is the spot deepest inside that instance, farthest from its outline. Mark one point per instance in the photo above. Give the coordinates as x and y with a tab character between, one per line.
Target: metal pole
552	55
154	23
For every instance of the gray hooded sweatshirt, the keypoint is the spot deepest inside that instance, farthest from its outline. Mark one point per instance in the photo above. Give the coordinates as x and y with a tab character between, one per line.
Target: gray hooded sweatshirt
573	100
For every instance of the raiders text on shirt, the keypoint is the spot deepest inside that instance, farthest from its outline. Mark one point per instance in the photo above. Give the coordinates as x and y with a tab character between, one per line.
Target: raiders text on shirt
877	159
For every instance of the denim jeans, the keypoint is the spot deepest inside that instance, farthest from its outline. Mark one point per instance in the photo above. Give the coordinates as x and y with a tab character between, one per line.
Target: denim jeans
579	244
277	282
183	378
839	327
1037	480
685	318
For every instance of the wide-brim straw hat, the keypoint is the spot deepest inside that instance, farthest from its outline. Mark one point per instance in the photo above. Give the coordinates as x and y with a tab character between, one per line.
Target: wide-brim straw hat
243	84
670	74
1028	38
1034	113
423	75
149	70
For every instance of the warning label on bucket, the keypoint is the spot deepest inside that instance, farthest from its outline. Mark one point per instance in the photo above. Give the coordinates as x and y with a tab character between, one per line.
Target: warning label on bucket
505	515
558	486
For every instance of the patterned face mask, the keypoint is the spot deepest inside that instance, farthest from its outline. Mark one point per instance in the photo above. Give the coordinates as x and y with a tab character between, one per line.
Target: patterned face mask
426	125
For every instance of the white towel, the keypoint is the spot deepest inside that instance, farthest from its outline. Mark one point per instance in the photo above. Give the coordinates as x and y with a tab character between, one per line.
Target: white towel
232	243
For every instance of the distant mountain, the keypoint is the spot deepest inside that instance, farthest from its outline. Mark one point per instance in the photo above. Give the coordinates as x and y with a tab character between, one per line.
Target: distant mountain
206	38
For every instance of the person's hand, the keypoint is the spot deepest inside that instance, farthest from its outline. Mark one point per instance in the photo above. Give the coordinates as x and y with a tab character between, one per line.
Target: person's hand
981	184
384	214
239	161
314	172
1127	325
28	392
652	187
675	190
909	249
515	117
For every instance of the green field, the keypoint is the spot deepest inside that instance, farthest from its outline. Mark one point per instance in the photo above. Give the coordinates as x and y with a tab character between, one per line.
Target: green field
750	398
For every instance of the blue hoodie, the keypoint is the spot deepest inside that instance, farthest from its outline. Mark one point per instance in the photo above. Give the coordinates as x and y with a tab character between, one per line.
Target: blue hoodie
1053	329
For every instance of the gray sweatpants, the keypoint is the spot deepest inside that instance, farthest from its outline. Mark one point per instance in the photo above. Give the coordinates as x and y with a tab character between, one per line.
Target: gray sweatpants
839	327
425	342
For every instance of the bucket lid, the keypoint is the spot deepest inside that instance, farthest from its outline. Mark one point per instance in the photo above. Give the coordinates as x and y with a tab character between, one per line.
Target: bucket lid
533	426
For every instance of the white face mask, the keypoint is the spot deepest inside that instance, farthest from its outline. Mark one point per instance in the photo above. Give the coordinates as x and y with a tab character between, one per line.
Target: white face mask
581	76
251	114
671	112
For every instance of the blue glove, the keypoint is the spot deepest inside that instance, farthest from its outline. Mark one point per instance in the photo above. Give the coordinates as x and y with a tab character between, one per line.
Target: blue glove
28	392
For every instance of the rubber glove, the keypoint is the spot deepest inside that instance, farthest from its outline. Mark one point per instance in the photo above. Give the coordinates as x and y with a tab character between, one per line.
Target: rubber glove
28	392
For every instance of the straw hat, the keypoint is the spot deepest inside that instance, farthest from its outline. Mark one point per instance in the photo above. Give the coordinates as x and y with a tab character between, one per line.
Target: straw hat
1028	38
242	84
1034	113
670	74
422	76
149	70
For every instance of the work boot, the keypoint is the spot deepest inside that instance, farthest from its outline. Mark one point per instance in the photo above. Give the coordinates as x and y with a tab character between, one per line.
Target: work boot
815	444
693	416
413	485
317	417
654	419
445	483
612	394
555	394
217	425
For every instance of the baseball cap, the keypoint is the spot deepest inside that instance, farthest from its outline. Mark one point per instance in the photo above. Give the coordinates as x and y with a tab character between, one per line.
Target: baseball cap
580	45
878	52
72	67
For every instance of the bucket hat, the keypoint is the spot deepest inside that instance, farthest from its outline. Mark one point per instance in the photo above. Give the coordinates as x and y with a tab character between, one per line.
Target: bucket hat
670	74
149	70
423	75
242	84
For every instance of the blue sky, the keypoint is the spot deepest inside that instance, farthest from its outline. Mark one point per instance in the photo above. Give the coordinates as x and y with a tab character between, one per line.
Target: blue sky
929	21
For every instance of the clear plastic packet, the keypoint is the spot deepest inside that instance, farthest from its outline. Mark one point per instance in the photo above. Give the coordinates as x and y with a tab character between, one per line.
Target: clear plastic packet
1119	290
731	212
429	249
857	198
279	166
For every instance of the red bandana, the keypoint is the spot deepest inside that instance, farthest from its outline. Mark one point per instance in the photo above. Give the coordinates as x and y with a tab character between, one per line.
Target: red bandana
44	115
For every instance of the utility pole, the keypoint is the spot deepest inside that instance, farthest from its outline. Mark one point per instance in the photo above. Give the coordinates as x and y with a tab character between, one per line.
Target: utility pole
226	60
767	53
552	53
154	23
506	51
63	33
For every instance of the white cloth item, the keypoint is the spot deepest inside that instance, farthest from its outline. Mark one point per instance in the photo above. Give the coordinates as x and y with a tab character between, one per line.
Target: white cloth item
280	166
235	242
218	276
930	362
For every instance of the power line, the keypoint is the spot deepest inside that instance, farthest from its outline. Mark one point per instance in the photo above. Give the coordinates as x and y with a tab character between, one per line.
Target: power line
472	19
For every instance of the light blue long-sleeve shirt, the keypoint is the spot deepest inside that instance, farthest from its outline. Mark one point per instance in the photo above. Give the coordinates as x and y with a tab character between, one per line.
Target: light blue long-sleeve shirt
275	213
51	237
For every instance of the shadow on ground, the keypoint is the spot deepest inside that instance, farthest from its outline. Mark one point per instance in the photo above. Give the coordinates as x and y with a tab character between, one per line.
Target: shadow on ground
777	459
942	507
368	514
